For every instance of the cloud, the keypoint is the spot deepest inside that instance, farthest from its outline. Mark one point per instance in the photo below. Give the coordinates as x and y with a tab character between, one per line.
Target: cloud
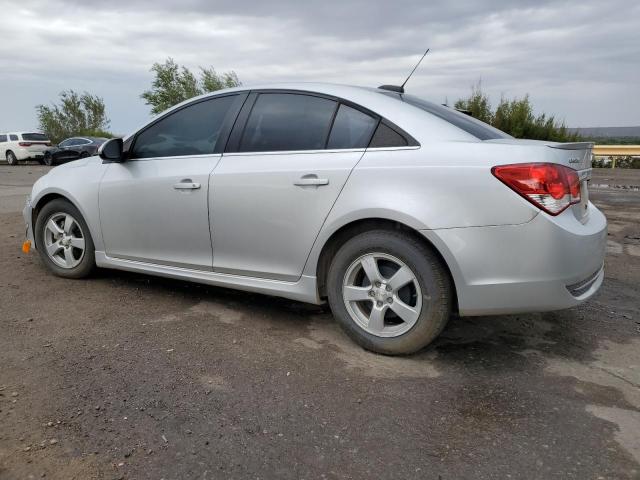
577	59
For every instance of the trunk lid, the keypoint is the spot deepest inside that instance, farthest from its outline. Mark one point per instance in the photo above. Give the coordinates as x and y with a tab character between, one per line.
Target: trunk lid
35	142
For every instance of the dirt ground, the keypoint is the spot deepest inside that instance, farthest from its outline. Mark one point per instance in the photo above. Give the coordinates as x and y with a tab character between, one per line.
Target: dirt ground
126	376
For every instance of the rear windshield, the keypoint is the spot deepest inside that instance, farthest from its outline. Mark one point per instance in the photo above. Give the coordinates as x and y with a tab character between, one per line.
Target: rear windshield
35	137
464	122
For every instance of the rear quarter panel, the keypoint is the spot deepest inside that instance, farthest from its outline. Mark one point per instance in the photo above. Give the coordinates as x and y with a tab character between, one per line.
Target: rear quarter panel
436	186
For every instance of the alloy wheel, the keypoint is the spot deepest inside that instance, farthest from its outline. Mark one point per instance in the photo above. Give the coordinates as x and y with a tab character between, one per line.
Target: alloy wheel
382	295
64	240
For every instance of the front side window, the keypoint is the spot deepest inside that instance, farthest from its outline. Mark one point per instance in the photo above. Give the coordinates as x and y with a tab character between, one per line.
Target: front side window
66	143
351	129
3	138
192	130
286	121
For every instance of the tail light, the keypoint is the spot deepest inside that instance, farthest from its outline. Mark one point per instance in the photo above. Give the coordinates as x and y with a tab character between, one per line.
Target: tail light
25	144
549	186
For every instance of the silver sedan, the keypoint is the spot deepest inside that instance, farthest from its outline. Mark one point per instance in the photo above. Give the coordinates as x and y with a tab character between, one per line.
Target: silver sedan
394	210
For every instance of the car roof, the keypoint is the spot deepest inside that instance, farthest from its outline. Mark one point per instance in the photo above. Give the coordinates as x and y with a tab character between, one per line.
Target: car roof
419	124
21	132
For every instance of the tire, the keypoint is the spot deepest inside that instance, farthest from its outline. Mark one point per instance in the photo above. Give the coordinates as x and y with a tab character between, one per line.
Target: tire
11	158
428	294
48	159
41	161
68	260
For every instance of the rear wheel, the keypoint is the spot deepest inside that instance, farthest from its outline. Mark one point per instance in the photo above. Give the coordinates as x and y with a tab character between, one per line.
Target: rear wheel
63	240
389	292
11	158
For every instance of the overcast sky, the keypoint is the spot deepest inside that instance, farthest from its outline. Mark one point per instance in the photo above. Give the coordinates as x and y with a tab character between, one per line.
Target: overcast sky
577	59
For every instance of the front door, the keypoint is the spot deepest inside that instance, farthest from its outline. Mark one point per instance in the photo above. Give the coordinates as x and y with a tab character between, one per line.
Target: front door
153	207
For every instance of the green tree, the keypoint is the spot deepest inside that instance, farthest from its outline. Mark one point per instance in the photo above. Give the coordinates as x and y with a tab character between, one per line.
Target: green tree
477	103
174	84
516	117
77	114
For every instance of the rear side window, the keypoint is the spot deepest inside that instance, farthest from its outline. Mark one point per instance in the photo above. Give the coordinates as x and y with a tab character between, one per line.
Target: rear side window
192	130
32	137
285	121
3	138
386	136
351	129
14	138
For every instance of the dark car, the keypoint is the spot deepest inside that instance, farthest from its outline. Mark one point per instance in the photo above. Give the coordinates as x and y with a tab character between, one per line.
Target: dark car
72	149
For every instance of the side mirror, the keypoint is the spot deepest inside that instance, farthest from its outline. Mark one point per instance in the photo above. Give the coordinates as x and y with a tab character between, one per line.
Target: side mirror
111	150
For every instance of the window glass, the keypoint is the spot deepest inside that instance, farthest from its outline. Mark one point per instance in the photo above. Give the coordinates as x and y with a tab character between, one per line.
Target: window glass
33	137
3	138
66	143
385	136
192	130
283	121
14	138
351	129
471	125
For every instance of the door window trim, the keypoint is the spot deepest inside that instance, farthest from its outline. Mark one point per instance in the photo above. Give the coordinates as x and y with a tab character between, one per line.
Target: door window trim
225	129
235	137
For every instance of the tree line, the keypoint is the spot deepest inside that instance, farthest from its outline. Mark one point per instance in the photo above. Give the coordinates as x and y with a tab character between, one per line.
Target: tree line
85	114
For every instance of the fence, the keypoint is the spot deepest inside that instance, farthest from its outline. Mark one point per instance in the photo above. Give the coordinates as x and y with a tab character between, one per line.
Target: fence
615	151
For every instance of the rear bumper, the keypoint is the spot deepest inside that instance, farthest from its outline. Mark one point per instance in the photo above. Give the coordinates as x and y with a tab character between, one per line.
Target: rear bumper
549	263
22	153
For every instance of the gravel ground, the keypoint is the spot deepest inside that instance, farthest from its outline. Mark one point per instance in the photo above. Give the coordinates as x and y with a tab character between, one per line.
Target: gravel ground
126	376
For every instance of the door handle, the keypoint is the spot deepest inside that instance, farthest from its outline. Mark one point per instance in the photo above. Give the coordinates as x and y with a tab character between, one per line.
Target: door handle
186	184
311	180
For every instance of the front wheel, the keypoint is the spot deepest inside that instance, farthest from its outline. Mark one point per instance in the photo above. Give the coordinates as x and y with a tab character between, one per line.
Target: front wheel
48	159
389	292
63	240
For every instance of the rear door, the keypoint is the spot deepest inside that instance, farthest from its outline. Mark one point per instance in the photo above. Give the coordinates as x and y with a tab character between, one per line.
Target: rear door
67	150
153	207
287	160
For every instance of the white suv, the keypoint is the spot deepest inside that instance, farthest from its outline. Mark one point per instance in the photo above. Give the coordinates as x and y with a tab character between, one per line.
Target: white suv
15	147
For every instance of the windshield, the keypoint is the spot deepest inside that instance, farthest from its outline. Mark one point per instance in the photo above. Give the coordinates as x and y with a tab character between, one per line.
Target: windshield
464	122
35	137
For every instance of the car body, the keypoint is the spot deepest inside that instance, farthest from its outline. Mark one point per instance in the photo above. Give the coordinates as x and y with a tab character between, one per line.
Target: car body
22	146
72	149
283	175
